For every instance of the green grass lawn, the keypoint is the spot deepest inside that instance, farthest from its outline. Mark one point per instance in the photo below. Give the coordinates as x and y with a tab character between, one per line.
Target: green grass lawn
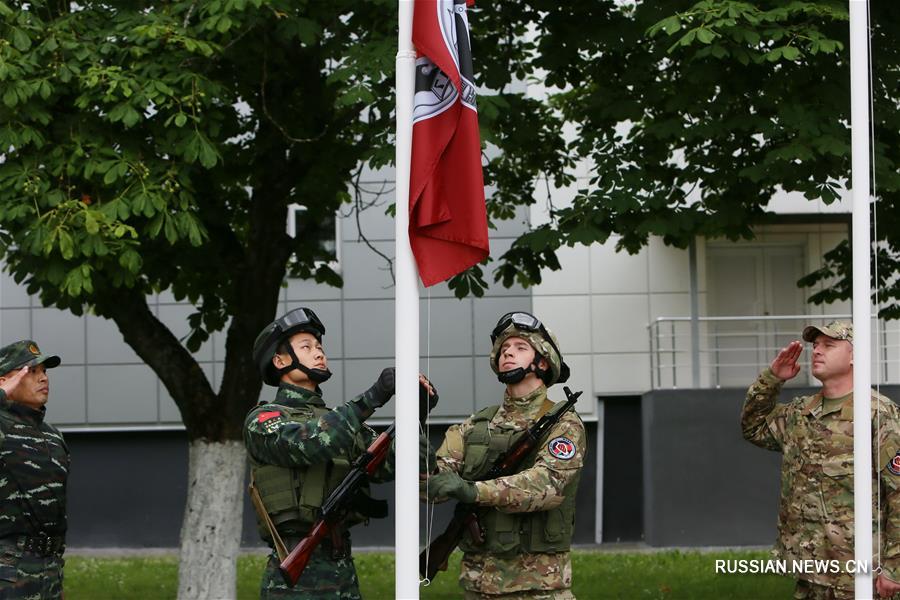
597	575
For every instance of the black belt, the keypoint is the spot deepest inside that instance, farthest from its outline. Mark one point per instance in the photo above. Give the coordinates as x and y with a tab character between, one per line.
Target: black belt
41	544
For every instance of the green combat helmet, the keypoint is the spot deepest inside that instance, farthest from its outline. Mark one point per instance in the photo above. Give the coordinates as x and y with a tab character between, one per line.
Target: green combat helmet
528	327
280	330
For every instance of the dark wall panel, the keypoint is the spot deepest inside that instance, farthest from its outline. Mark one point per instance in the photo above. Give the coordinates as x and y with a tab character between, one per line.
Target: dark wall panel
704	485
128	490
623	507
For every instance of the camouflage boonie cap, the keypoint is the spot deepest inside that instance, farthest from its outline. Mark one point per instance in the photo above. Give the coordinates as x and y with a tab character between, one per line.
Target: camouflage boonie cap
839	330
22	353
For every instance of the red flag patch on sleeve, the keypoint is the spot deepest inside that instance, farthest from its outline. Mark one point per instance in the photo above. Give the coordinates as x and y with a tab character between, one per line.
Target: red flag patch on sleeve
265	416
562	448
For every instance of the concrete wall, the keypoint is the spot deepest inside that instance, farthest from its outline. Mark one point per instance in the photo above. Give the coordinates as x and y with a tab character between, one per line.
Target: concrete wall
703	484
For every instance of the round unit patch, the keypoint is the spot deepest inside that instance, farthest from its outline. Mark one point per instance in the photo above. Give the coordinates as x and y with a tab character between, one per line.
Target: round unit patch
561	448
894	465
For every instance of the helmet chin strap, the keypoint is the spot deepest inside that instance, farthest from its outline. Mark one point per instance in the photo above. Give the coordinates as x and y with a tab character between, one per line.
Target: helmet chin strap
514	376
317	376
518	374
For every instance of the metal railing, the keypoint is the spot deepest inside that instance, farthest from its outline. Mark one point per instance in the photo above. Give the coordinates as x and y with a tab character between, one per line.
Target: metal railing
712	352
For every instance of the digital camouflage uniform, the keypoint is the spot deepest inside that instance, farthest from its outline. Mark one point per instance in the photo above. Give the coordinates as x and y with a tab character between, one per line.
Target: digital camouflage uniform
34	466
275	435
537	487
815	520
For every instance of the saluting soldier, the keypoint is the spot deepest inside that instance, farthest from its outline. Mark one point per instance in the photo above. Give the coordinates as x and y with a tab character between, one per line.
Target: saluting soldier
815	436
34	467
527	518
300	450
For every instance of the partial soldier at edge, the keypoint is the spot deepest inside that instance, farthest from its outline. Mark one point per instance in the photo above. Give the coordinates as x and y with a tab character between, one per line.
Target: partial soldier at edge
815	435
34	469
527	518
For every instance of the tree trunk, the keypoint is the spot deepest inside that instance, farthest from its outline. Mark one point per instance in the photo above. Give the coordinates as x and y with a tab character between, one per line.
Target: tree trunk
211	530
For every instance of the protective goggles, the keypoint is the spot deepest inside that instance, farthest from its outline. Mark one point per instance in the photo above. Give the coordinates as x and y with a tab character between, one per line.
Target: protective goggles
523	322
300	317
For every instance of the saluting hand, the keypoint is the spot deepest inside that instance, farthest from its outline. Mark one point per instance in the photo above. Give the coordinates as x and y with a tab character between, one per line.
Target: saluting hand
8	384
785	365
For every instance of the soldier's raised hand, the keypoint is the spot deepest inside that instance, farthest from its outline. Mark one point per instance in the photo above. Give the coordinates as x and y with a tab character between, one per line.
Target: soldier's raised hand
786	365
428	397
383	388
8	384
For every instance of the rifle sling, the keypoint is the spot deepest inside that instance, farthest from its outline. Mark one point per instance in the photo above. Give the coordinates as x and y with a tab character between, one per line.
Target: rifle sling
264	515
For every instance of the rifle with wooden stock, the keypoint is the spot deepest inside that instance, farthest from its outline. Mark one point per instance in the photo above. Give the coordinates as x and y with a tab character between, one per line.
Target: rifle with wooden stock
465	517
337	505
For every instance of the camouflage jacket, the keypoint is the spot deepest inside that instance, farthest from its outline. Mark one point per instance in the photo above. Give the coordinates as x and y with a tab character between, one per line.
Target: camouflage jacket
815	436
34	467
272	440
536	488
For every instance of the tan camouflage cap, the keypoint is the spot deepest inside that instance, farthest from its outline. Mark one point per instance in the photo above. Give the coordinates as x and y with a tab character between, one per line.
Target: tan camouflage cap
839	330
22	353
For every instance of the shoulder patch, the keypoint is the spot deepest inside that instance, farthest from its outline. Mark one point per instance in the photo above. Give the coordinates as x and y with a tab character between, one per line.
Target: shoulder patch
270	421
894	464
265	416
563	448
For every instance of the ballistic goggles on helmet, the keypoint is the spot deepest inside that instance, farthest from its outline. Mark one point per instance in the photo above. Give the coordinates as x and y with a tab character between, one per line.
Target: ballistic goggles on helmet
524	322
300	318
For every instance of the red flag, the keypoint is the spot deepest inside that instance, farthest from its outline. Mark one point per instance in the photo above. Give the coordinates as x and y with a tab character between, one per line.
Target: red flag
447	215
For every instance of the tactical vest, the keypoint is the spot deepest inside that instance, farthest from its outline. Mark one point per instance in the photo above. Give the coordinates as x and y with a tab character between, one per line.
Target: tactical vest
293	495
513	533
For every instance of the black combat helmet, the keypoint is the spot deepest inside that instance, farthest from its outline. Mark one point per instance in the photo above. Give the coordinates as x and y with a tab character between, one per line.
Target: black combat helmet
280	330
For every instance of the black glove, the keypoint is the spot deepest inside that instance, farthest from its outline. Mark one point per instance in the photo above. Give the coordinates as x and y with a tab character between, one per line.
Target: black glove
381	391
426	402
427	459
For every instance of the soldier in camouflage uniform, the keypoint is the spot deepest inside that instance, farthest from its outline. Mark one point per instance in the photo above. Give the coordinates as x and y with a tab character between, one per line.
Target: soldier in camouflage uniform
34	466
300	451
815	435
527	517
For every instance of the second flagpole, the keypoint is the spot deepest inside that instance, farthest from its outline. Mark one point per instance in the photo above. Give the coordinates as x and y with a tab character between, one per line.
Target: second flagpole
406	332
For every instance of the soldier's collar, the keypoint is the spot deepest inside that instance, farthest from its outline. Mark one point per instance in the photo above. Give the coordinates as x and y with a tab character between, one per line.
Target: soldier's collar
31	414
292	395
819	406
528	404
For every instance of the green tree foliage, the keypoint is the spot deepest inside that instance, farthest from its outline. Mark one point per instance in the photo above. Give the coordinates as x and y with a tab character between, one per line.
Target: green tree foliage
156	146
693	114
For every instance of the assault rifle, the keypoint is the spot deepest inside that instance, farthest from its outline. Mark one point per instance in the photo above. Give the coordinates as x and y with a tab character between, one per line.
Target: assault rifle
337	505
465	518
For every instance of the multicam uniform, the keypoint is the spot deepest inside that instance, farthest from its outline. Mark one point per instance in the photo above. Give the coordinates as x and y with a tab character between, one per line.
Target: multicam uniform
529	516
815	521
299	451
34	466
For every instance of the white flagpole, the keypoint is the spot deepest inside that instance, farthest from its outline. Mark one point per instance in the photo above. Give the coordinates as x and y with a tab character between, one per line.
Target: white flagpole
406	332
862	313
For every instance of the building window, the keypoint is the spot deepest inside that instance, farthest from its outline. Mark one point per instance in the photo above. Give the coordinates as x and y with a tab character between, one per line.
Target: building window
323	236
